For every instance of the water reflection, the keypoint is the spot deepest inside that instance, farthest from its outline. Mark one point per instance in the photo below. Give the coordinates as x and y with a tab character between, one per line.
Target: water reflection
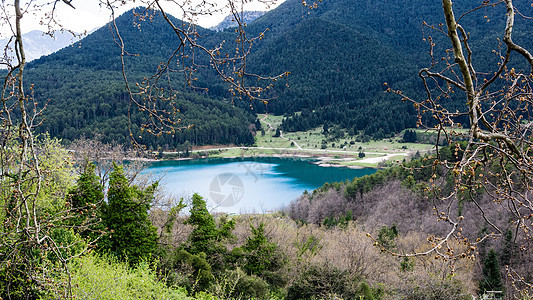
257	185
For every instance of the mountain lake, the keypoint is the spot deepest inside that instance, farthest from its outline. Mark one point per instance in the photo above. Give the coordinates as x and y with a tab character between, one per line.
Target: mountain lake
246	185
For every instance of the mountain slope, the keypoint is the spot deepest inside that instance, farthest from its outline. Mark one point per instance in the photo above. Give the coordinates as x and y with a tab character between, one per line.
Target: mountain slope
339	72
88	95
342	53
339	55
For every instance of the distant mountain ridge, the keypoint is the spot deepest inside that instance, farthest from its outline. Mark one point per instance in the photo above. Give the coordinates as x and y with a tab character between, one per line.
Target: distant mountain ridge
37	43
229	21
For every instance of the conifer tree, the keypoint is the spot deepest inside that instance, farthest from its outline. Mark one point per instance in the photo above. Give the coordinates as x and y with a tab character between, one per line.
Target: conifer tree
492	279
86	199
261	254
132	235
205	236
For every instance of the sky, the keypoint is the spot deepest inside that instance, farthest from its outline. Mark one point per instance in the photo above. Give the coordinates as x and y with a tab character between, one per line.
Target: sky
89	15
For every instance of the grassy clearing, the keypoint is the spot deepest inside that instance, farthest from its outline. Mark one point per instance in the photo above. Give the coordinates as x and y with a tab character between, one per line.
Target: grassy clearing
340	150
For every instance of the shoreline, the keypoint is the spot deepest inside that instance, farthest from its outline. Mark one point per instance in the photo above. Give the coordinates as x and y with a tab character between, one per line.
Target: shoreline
325	159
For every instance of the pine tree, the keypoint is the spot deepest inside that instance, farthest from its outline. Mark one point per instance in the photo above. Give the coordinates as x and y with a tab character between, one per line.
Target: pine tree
206	236
508	248
86	200
261	254
492	279
132	235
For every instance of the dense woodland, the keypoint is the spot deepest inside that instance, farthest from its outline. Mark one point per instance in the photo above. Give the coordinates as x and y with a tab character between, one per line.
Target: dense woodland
338	65
84	92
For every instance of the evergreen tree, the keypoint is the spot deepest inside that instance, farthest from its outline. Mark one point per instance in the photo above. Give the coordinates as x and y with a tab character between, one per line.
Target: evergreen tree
508	248
132	235
206	236
261	254
86	200
278	133
492	279
258	125
409	136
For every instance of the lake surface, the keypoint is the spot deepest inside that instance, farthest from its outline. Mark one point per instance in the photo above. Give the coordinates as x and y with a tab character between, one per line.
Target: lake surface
247	185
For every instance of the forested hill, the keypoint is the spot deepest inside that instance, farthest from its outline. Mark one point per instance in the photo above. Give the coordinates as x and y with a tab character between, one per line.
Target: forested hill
339	55
86	94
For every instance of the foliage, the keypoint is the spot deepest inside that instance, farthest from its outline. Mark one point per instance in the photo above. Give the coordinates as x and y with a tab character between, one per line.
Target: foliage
132	235
349	94
342	220
244	286
492	278
260	254
206	237
431	286
409	136
386	237
278	133
34	240
104	277
317	282
86	200
193	268
87	78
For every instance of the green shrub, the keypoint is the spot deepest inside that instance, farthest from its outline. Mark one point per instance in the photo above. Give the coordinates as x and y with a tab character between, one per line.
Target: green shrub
239	285
190	270
320	281
103	277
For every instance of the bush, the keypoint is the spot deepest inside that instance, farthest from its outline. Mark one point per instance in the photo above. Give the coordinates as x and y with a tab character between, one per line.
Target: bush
102	277
239	285
321	281
427	285
190	270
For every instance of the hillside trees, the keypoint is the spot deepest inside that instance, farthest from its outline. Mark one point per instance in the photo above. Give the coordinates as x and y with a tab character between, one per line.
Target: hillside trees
497	103
35	244
155	94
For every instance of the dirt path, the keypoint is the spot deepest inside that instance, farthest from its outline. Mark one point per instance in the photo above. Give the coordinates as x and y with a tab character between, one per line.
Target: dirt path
281	133
386	156
383	156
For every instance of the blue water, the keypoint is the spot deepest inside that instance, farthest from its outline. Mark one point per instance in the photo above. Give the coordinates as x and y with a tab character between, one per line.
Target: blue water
247	185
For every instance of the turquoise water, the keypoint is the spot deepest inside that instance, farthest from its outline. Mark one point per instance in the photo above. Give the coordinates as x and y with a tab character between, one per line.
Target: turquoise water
247	185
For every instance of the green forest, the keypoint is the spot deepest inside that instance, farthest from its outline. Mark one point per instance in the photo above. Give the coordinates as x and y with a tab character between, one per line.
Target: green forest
338	68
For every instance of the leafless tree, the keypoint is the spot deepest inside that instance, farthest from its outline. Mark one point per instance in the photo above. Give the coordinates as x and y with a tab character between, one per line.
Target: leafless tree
497	103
